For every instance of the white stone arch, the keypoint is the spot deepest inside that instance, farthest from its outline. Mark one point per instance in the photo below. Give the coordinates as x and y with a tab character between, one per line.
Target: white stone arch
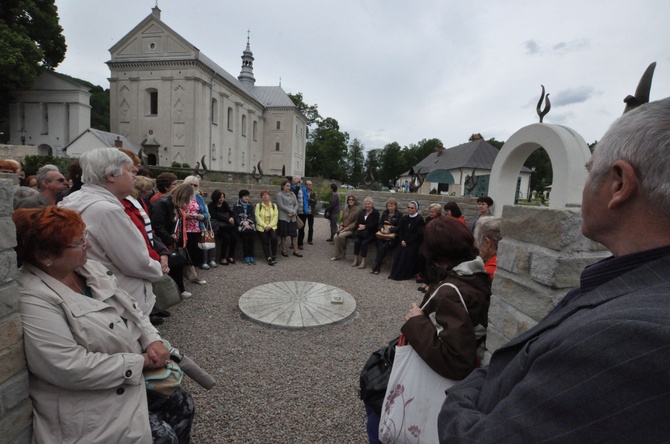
568	153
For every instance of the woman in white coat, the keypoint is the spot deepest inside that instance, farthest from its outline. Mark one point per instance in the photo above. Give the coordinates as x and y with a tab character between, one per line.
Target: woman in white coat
87	343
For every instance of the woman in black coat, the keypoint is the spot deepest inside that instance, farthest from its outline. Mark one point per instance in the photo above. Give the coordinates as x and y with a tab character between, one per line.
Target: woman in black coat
410	235
388	221
226	234
366	227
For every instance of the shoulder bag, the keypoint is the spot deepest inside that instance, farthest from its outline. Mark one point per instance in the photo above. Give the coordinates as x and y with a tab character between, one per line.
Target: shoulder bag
414	396
167	293
165	380
207	240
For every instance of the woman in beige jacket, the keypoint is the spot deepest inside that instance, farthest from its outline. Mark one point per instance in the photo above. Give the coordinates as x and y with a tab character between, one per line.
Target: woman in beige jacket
346	228
87	343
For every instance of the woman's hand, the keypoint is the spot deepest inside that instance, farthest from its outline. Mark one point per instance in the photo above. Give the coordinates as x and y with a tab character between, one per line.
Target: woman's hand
232	221
413	311
361	227
403	243
157	354
164	264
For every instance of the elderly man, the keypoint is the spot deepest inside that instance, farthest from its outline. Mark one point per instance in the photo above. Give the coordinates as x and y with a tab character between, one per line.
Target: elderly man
51	185
302	196
109	176
596	368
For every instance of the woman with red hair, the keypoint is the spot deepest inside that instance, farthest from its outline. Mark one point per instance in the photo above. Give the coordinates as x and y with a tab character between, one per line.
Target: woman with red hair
87	342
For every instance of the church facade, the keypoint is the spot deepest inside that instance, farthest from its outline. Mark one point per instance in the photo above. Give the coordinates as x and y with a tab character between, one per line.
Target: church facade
180	106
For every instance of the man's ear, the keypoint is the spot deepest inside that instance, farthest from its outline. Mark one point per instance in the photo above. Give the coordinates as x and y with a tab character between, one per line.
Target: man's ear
624	184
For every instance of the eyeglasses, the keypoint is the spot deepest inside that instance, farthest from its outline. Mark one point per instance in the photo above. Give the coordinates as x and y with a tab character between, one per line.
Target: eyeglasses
81	244
411	208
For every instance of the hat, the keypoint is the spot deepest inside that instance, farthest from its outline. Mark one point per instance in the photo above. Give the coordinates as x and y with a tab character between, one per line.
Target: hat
244	193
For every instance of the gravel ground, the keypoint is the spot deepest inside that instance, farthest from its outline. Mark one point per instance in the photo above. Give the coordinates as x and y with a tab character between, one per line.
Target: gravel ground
285	386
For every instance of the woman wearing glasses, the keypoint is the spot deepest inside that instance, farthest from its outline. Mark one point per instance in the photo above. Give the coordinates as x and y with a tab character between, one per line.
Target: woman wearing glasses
346	228
87	342
197	216
410	235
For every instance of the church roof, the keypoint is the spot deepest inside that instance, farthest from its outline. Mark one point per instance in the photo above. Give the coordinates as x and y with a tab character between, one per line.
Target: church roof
273	96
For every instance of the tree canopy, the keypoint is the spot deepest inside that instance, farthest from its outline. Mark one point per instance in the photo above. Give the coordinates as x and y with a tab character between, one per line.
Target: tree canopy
309	111
327	151
31	39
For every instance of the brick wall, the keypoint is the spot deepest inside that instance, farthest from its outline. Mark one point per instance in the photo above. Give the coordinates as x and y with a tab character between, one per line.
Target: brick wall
15	406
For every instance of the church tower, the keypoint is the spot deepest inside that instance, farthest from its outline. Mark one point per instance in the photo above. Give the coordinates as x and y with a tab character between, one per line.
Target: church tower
246	76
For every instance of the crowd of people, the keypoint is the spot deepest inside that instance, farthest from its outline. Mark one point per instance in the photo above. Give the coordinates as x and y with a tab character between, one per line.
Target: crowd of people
591	370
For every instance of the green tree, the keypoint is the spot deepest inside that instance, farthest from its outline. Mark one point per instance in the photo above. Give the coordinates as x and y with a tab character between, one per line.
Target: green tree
496	143
327	151
373	164
355	162
415	153
391	163
542	175
309	111
31	39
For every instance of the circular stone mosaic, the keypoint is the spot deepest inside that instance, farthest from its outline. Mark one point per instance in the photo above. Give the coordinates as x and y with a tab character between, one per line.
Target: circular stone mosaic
297	304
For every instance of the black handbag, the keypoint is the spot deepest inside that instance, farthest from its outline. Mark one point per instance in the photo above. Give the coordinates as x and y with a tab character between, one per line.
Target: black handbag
375	376
177	257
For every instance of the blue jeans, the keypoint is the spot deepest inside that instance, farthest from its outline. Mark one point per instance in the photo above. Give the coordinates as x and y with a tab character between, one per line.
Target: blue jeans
372	425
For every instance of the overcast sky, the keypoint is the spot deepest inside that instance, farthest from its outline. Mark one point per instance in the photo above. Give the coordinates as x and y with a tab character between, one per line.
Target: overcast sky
401	71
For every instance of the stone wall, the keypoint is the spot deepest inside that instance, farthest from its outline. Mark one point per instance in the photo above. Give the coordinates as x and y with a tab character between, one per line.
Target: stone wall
540	257
15	406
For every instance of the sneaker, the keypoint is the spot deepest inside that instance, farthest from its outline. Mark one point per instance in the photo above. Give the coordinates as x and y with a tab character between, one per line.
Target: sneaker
204	267
199	281
186	294
274	261
212	264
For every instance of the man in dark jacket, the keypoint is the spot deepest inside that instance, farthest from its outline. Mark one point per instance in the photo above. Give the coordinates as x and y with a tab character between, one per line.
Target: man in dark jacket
595	369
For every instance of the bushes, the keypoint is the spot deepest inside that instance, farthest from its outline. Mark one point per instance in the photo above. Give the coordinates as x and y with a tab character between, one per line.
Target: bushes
33	163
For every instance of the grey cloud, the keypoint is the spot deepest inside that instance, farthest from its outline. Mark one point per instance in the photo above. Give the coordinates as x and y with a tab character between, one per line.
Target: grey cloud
560	48
531	47
572	95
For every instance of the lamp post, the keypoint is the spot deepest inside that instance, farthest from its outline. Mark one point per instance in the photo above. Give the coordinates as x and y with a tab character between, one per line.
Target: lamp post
22	133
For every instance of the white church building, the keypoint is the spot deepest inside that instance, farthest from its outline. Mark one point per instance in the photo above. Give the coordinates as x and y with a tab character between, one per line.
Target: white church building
179	106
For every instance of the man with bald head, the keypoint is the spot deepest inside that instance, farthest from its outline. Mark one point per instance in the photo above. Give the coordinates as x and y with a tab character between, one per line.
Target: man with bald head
596	368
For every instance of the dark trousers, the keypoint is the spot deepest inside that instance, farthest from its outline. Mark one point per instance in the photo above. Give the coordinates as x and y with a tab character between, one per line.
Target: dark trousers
310	227
269	242
194	252
383	247
301	232
361	245
247	238
226	240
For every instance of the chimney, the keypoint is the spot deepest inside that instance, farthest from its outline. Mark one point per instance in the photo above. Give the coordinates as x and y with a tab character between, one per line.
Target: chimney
440	149
475	137
156	12
118	143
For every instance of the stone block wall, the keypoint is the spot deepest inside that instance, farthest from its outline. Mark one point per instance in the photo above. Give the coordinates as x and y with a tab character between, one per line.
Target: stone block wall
15	406
540	258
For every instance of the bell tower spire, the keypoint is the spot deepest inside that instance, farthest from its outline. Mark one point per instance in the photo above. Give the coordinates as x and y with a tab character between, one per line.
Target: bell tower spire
247	74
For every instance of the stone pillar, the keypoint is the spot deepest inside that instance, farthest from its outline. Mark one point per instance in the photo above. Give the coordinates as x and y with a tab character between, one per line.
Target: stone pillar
540	258
15	406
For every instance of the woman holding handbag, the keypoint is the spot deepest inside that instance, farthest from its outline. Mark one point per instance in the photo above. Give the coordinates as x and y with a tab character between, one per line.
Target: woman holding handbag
387	239
168	217
443	333
197	217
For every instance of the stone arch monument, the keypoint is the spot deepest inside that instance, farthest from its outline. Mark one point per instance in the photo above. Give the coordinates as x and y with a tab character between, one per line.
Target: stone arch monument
567	151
